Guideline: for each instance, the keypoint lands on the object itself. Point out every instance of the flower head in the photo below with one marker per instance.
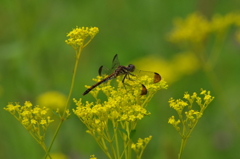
(187, 115)
(140, 145)
(78, 36)
(193, 29)
(33, 118)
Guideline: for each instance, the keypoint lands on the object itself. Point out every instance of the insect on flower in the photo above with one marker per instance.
(126, 72)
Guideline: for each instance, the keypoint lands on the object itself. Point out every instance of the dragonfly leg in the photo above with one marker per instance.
(129, 76)
(124, 78)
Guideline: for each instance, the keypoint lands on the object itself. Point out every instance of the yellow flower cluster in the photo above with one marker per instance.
(119, 114)
(124, 102)
(78, 36)
(191, 116)
(33, 118)
(220, 23)
(196, 28)
(140, 145)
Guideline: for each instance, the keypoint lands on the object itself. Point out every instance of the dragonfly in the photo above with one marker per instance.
(125, 71)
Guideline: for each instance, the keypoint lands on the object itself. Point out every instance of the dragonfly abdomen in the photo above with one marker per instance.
(100, 82)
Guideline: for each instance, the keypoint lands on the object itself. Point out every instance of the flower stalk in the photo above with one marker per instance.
(187, 116)
(77, 39)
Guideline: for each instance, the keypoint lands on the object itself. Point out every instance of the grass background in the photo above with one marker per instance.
(35, 59)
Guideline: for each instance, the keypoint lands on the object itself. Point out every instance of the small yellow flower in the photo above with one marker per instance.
(92, 157)
(178, 104)
(194, 95)
(139, 116)
(25, 113)
(28, 104)
(186, 96)
(11, 108)
(203, 91)
(97, 121)
(67, 113)
(140, 145)
(43, 122)
(207, 97)
(171, 120)
(189, 114)
(43, 112)
(25, 121)
(33, 121)
(49, 120)
(133, 146)
(36, 110)
(147, 139)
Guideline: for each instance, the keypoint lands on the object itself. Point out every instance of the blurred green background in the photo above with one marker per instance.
(34, 59)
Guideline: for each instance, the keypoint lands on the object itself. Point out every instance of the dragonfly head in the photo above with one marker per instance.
(131, 67)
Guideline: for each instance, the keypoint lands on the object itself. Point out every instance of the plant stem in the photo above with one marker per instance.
(183, 143)
(78, 53)
(116, 138)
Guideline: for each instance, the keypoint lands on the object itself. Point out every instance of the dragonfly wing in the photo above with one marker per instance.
(104, 71)
(115, 62)
(156, 77)
(144, 90)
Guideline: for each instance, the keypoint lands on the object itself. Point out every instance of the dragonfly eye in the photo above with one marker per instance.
(131, 67)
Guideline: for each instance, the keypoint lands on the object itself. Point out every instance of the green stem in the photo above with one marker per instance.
(78, 53)
(88, 42)
(73, 80)
(116, 138)
(104, 148)
(183, 143)
(128, 140)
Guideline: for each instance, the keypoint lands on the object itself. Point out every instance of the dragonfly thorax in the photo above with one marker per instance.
(131, 68)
